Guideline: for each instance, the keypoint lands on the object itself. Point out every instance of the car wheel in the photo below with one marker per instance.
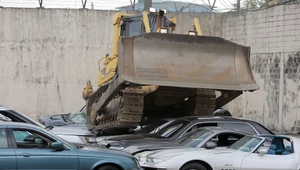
(108, 167)
(193, 166)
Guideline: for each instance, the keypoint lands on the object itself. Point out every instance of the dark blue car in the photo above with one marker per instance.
(25, 146)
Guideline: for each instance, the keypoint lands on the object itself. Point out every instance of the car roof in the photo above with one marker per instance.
(17, 125)
(215, 118)
(217, 129)
(5, 108)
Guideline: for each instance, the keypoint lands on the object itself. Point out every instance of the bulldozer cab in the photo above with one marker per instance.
(138, 24)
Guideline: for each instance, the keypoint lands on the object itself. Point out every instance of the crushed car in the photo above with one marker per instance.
(180, 127)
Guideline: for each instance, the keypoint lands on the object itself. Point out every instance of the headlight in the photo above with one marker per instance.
(192, 33)
(151, 160)
(117, 147)
(141, 156)
(163, 30)
(86, 139)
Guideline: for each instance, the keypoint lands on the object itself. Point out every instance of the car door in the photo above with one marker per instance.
(33, 151)
(275, 156)
(7, 153)
(255, 161)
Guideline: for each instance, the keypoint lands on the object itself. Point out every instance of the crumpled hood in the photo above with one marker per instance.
(73, 129)
(129, 139)
(53, 120)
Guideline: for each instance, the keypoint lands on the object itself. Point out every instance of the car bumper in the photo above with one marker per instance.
(153, 168)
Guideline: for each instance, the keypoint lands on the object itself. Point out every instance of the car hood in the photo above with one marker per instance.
(131, 138)
(180, 151)
(139, 147)
(73, 129)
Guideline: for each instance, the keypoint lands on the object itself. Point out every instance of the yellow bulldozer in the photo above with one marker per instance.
(156, 73)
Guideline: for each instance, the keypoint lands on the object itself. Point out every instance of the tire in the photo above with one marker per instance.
(108, 167)
(193, 166)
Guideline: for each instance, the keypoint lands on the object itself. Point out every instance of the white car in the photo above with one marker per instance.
(263, 152)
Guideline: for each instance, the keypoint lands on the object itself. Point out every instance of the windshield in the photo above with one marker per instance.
(195, 138)
(246, 144)
(4, 118)
(78, 117)
(172, 128)
(151, 127)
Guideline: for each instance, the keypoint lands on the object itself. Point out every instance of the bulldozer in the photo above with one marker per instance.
(155, 73)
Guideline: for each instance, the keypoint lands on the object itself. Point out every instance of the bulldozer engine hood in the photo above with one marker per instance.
(180, 60)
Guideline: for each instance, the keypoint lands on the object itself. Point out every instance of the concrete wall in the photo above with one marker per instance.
(47, 55)
(274, 37)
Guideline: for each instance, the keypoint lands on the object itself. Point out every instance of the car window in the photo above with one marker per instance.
(168, 132)
(171, 129)
(261, 129)
(277, 146)
(194, 138)
(239, 126)
(31, 139)
(226, 139)
(3, 139)
(4, 118)
(11, 114)
(78, 117)
(246, 144)
(152, 126)
(199, 125)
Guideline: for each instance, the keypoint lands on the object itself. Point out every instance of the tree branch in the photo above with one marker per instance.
(41, 3)
(175, 6)
(213, 5)
(132, 2)
(184, 7)
(83, 3)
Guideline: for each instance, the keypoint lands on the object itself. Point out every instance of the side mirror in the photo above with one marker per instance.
(210, 145)
(58, 146)
(262, 151)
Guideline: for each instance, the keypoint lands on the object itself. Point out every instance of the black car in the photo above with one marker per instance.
(183, 125)
(199, 138)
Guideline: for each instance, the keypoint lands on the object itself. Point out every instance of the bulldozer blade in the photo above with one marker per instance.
(189, 61)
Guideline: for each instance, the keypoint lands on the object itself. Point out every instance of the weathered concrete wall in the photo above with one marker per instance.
(47, 55)
(274, 37)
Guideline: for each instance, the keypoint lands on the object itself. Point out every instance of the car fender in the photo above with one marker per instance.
(109, 161)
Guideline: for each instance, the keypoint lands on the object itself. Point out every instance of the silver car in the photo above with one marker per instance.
(78, 134)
